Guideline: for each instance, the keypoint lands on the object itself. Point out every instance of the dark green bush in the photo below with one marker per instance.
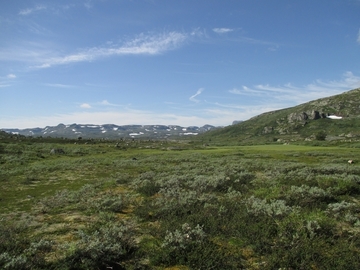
(17, 251)
(148, 188)
(190, 246)
(320, 136)
(107, 245)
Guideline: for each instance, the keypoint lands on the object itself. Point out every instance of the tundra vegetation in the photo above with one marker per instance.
(177, 205)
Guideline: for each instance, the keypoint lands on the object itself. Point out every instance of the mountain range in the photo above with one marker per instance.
(110, 131)
(334, 118)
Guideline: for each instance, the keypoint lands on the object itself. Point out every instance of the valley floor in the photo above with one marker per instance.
(178, 205)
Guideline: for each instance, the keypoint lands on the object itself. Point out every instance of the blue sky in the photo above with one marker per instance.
(180, 62)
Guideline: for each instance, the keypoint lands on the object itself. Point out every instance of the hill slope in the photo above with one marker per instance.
(303, 122)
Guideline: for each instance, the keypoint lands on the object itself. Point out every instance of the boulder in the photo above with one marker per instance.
(295, 117)
(57, 151)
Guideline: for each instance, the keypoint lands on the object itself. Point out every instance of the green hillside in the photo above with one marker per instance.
(303, 123)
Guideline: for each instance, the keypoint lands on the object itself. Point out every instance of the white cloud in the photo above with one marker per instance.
(85, 106)
(290, 95)
(193, 98)
(88, 5)
(142, 44)
(59, 85)
(31, 10)
(222, 30)
(217, 114)
(107, 103)
(6, 81)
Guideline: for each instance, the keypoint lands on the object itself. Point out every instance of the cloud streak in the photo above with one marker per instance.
(296, 95)
(144, 44)
(222, 30)
(59, 85)
(29, 11)
(7, 80)
(85, 106)
(193, 97)
(215, 113)
(107, 103)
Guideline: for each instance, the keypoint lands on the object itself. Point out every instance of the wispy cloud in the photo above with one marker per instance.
(85, 106)
(295, 94)
(28, 11)
(222, 30)
(88, 4)
(107, 103)
(7, 80)
(193, 97)
(216, 113)
(145, 44)
(59, 85)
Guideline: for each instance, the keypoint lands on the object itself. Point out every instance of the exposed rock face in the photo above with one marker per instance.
(304, 116)
(267, 130)
(295, 117)
(315, 115)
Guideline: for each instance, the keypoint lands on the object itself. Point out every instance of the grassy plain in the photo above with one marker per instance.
(178, 205)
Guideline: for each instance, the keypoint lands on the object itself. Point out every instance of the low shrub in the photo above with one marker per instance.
(306, 196)
(273, 208)
(190, 246)
(107, 245)
(31, 257)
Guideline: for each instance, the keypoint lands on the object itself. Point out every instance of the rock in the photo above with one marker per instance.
(315, 115)
(267, 130)
(55, 151)
(294, 117)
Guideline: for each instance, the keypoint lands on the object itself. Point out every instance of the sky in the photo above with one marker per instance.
(171, 62)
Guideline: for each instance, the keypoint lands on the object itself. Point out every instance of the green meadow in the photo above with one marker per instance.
(148, 204)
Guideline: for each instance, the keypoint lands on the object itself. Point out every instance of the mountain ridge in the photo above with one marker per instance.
(337, 117)
(111, 131)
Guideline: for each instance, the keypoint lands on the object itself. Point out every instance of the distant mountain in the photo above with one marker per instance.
(111, 131)
(336, 117)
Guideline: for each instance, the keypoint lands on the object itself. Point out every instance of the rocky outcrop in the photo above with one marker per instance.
(267, 130)
(296, 117)
(304, 116)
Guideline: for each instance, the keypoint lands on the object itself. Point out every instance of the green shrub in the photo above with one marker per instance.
(148, 188)
(273, 208)
(32, 257)
(190, 246)
(320, 136)
(109, 245)
(306, 196)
